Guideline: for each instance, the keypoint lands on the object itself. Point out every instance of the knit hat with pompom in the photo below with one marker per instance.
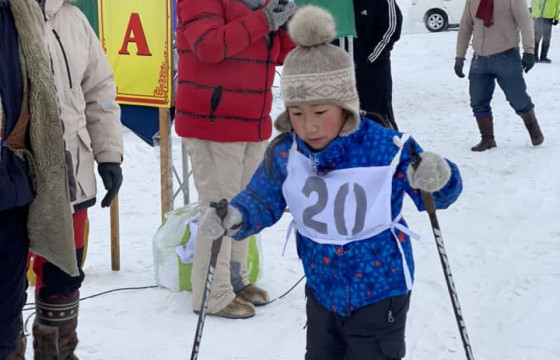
(317, 72)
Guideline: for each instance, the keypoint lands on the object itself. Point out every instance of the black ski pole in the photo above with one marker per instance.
(431, 209)
(221, 210)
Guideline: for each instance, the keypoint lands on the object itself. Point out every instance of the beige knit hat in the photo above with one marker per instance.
(316, 72)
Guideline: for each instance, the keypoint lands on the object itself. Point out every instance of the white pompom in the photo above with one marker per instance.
(311, 26)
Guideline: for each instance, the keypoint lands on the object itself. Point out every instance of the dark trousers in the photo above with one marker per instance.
(375, 87)
(53, 282)
(14, 245)
(375, 332)
(543, 30)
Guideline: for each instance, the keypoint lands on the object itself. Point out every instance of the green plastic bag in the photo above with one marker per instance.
(173, 248)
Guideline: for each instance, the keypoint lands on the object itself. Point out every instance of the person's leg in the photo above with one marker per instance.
(509, 75)
(481, 86)
(325, 340)
(510, 78)
(377, 332)
(547, 34)
(217, 173)
(373, 82)
(481, 89)
(538, 25)
(14, 245)
(254, 153)
(57, 301)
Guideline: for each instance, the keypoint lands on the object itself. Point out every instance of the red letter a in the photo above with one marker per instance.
(135, 34)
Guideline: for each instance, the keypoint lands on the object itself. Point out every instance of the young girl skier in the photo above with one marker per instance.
(343, 179)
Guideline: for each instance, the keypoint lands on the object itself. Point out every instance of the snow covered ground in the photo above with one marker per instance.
(502, 238)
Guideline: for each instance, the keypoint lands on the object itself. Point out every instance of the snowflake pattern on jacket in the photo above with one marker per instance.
(350, 277)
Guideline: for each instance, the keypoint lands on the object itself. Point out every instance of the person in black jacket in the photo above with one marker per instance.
(378, 27)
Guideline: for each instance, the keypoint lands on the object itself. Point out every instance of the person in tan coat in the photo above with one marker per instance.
(86, 94)
(494, 26)
(35, 211)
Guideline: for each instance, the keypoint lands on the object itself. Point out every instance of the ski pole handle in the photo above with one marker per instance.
(415, 162)
(221, 207)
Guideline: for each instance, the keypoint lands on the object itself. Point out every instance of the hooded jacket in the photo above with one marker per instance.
(86, 94)
(227, 61)
(49, 221)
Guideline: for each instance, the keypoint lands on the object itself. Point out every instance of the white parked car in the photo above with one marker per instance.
(437, 15)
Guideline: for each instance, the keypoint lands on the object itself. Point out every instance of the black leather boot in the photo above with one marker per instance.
(544, 54)
(486, 127)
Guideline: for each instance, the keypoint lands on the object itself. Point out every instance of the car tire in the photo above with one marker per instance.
(436, 20)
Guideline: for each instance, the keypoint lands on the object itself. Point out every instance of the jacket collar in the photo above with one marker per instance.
(52, 7)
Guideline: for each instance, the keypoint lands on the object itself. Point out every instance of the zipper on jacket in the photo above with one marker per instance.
(390, 317)
(65, 57)
(314, 164)
(214, 102)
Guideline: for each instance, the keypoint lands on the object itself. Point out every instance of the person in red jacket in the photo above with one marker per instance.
(228, 53)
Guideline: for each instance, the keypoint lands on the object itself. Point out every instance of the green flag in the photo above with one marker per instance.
(343, 12)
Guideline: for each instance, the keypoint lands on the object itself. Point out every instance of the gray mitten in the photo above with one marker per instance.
(277, 15)
(432, 173)
(213, 227)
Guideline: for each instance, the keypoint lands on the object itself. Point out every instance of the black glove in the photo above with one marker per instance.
(527, 62)
(459, 63)
(111, 174)
(554, 22)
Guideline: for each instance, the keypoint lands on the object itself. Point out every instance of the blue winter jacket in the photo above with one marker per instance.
(350, 277)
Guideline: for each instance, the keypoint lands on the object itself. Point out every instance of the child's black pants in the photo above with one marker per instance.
(366, 335)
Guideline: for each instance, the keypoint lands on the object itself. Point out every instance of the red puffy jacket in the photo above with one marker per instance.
(227, 60)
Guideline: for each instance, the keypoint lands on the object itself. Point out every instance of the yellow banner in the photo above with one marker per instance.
(136, 36)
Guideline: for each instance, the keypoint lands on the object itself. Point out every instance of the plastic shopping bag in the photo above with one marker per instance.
(173, 247)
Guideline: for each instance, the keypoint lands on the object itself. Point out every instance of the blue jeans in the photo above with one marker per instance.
(505, 68)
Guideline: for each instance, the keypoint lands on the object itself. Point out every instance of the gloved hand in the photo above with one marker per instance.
(554, 22)
(459, 63)
(527, 62)
(111, 174)
(212, 226)
(277, 15)
(432, 173)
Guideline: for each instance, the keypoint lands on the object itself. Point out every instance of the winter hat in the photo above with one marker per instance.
(316, 72)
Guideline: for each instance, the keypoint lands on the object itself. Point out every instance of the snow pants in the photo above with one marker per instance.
(543, 30)
(220, 171)
(51, 282)
(14, 245)
(375, 332)
(375, 87)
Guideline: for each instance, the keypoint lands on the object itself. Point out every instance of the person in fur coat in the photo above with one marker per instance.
(35, 211)
(86, 94)
(344, 179)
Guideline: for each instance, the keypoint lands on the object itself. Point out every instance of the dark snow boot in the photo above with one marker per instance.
(19, 351)
(533, 127)
(54, 329)
(537, 59)
(486, 127)
(544, 54)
